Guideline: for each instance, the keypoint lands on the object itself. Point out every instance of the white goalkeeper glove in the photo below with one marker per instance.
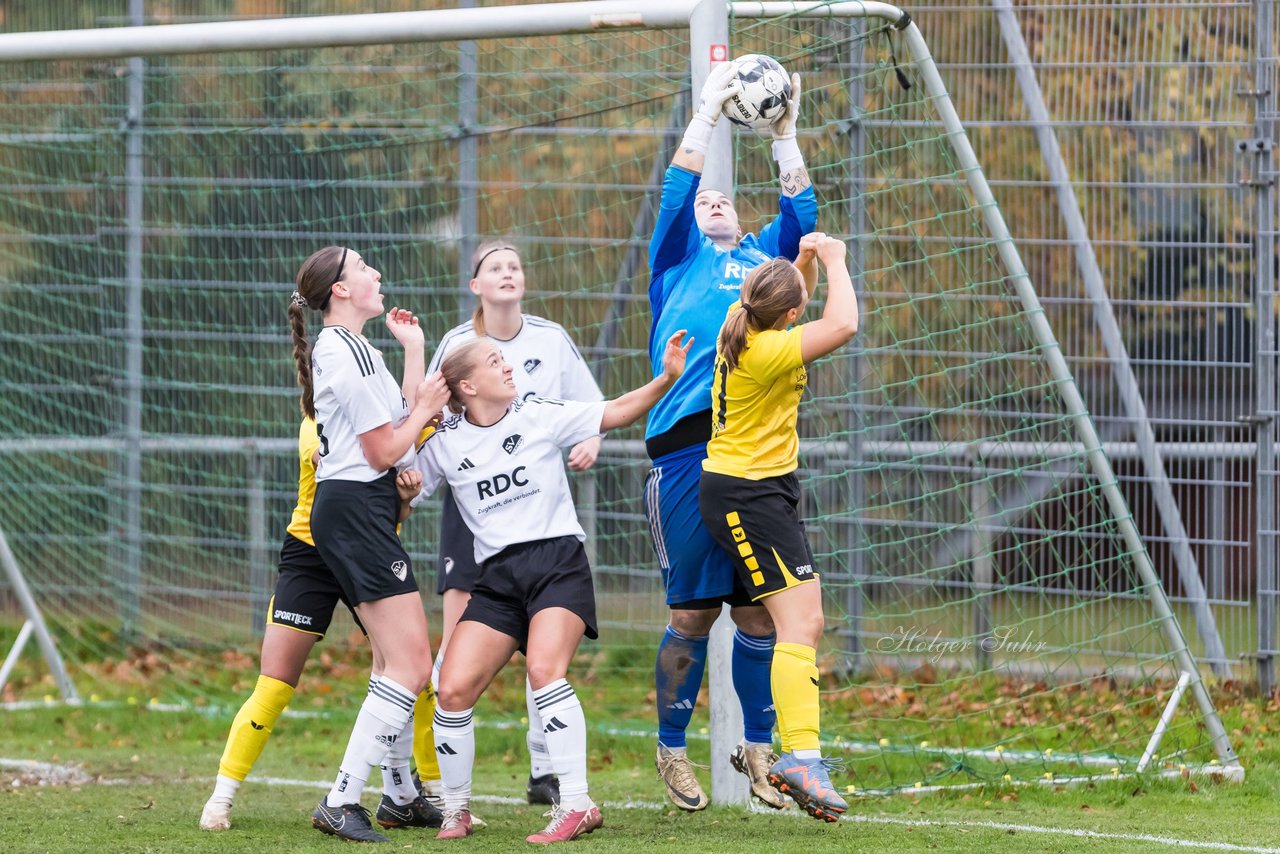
(785, 149)
(721, 85)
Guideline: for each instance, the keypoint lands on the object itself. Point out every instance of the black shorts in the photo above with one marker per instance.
(526, 578)
(354, 525)
(306, 591)
(457, 568)
(757, 523)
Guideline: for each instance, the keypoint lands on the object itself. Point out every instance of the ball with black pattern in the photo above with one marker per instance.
(766, 91)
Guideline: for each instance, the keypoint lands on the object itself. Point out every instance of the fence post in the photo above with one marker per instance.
(852, 540)
(130, 564)
(1261, 165)
(259, 556)
(983, 561)
(468, 173)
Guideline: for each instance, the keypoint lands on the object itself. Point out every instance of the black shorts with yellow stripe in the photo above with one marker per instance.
(306, 592)
(757, 522)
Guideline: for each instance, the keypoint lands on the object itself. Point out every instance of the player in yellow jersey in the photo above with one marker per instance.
(749, 493)
(301, 608)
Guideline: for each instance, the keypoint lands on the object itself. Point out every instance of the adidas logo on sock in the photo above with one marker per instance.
(256, 725)
(555, 725)
(446, 750)
(682, 704)
(388, 740)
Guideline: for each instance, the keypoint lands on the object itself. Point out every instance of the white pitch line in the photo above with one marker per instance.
(1063, 831)
(864, 819)
(71, 773)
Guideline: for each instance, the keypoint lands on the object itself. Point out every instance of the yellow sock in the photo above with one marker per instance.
(794, 679)
(424, 744)
(252, 727)
(779, 711)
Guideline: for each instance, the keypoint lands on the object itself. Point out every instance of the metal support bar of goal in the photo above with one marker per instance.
(34, 625)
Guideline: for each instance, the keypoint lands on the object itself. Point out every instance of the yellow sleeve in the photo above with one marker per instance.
(427, 433)
(308, 440)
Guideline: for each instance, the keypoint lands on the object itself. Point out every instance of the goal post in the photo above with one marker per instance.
(983, 574)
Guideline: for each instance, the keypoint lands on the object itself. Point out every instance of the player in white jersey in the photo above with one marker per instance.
(368, 425)
(544, 363)
(501, 457)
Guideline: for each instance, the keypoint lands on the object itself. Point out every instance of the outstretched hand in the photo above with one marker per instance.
(404, 327)
(673, 358)
(722, 84)
(784, 126)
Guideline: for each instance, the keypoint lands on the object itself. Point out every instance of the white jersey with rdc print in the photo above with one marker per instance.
(508, 479)
(354, 393)
(544, 361)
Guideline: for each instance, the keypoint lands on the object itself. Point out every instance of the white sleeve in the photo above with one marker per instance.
(568, 421)
(576, 382)
(425, 461)
(361, 394)
(454, 336)
(439, 356)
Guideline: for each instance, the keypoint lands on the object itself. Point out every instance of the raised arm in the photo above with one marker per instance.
(797, 206)
(403, 325)
(807, 261)
(631, 406)
(839, 321)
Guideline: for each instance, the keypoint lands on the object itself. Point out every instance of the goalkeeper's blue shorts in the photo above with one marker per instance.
(698, 574)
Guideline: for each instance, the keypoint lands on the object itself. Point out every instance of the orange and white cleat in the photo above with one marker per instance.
(809, 785)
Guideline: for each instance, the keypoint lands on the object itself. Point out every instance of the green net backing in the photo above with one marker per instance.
(984, 616)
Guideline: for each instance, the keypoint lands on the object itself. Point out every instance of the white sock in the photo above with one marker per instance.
(383, 715)
(397, 782)
(435, 672)
(224, 788)
(565, 729)
(455, 735)
(539, 759)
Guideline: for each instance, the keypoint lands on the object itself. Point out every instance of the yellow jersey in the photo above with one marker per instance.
(754, 407)
(308, 444)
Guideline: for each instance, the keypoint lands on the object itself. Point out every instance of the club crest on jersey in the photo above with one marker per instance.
(512, 443)
(400, 569)
(531, 365)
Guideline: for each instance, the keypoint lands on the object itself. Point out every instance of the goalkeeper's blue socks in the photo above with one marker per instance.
(678, 678)
(752, 663)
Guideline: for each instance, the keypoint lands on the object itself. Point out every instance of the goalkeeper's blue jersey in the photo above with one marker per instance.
(694, 282)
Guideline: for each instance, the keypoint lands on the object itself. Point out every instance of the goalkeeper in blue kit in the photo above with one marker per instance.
(699, 257)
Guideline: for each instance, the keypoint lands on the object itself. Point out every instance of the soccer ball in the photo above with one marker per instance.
(766, 90)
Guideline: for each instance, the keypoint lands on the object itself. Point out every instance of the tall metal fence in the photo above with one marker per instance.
(1132, 149)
